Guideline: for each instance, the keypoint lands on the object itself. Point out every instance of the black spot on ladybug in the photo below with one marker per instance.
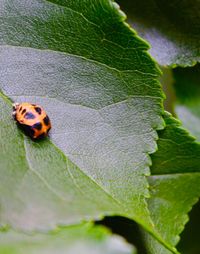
(28, 130)
(38, 110)
(29, 115)
(33, 105)
(46, 120)
(20, 109)
(37, 126)
(41, 136)
(23, 111)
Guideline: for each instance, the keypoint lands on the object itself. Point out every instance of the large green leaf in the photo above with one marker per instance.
(171, 27)
(83, 238)
(187, 88)
(93, 76)
(175, 184)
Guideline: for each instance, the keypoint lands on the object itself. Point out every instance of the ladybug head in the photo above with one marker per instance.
(15, 106)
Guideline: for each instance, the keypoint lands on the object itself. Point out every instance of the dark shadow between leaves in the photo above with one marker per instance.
(189, 242)
(127, 229)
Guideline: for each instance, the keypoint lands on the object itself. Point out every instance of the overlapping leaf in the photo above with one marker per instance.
(93, 76)
(175, 184)
(171, 27)
(83, 238)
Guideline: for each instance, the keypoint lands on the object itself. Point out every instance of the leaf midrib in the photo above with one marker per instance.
(129, 97)
(119, 71)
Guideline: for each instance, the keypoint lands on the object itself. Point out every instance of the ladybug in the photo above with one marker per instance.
(32, 119)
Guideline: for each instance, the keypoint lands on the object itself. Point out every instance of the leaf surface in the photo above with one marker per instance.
(83, 238)
(82, 63)
(171, 28)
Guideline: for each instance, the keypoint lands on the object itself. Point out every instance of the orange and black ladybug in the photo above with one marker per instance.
(32, 119)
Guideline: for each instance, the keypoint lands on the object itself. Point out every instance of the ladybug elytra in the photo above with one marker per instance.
(32, 119)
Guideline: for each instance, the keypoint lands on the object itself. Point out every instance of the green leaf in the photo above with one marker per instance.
(83, 238)
(177, 151)
(175, 184)
(187, 90)
(172, 197)
(171, 28)
(83, 64)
